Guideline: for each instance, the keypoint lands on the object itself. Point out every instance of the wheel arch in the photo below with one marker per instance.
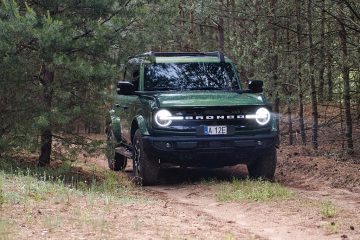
(114, 124)
(139, 123)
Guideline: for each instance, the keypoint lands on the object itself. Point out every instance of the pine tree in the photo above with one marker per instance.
(58, 58)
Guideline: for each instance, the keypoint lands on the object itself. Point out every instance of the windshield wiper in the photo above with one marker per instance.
(222, 89)
(207, 88)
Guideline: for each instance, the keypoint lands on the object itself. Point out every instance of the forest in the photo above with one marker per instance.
(58, 59)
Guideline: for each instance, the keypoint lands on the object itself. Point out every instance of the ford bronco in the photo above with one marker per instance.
(189, 110)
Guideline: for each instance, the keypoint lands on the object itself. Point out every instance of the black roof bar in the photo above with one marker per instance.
(218, 54)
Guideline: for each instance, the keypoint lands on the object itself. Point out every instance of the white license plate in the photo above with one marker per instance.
(215, 130)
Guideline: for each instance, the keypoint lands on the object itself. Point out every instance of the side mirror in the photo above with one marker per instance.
(256, 86)
(125, 88)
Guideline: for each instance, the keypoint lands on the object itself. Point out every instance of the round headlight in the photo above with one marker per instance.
(163, 118)
(262, 116)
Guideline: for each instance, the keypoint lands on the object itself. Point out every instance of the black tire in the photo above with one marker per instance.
(116, 161)
(146, 168)
(264, 165)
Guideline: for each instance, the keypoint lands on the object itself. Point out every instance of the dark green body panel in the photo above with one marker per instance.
(136, 111)
(208, 99)
(209, 121)
(127, 111)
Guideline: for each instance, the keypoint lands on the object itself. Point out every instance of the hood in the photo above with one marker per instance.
(207, 99)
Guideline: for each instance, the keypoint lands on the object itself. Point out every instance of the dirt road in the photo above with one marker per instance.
(325, 204)
(297, 218)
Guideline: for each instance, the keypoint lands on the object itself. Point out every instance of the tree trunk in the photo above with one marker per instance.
(274, 61)
(312, 78)
(299, 75)
(288, 91)
(290, 128)
(221, 33)
(357, 97)
(342, 133)
(45, 151)
(181, 26)
(322, 53)
(46, 134)
(347, 98)
(330, 79)
(192, 41)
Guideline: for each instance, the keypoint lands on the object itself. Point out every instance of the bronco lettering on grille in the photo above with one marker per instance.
(219, 117)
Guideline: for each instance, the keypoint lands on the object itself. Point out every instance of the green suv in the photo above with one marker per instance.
(189, 110)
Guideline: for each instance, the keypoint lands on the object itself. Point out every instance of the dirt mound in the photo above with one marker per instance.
(296, 167)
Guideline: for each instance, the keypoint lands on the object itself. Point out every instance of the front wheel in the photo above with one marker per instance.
(146, 168)
(264, 165)
(116, 161)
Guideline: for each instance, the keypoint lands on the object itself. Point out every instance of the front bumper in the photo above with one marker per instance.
(209, 151)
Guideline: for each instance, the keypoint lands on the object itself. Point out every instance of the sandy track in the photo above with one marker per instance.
(297, 218)
(183, 206)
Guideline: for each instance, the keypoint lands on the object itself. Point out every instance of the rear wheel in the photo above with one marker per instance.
(116, 161)
(146, 168)
(264, 165)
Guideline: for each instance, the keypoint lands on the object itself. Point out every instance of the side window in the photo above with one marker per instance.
(127, 73)
(136, 77)
(132, 74)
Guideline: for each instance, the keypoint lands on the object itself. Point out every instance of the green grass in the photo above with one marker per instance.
(5, 230)
(251, 190)
(229, 236)
(328, 209)
(2, 197)
(332, 227)
(83, 198)
(39, 191)
(23, 183)
(23, 187)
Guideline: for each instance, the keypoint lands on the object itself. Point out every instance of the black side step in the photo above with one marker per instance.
(125, 151)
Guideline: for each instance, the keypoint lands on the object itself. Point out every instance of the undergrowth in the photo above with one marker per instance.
(2, 198)
(252, 190)
(332, 227)
(5, 233)
(83, 194)
(328, 209)
(19, 184)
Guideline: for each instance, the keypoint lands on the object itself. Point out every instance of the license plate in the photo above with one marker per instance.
(215, 130)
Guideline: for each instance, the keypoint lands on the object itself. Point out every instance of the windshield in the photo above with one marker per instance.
(190, 76)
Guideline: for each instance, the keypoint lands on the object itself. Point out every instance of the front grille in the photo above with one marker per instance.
(230, 116)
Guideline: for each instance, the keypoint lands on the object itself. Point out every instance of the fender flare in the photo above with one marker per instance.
(139, 122)
(114, 125)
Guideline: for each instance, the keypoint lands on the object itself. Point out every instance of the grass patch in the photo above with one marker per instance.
(328, 209)
(23, 187)
(5, 230)
(52, 222)
(252, 190)
(47, 200)
(229, 236)
(39, 193)
(2, 197)
(23, 183)
(332, 227)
